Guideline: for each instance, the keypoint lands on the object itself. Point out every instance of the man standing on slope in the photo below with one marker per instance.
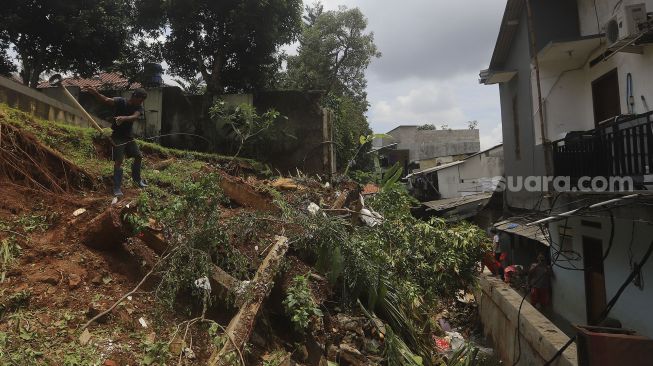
(127, 111)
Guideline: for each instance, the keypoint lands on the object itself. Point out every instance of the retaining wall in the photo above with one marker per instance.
(540, 339)
(40, 105)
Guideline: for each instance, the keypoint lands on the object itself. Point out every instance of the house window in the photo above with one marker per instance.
(605, 97)
(515, 125)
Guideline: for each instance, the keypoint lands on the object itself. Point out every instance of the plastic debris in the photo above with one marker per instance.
(370, 218)
(79, 211)
(203, 283)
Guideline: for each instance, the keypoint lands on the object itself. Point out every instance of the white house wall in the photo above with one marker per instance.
(605, 10)
(449, 182)
(567, 92)
(477, 173)
(568, 286)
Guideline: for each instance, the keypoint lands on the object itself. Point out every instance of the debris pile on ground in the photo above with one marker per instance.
(215, 263)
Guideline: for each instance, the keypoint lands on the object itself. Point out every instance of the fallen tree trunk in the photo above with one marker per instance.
(241, 325)
(106, 231)
(245, 195)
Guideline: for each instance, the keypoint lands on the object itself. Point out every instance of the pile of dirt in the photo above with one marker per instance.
(26, 161)
(79, 285)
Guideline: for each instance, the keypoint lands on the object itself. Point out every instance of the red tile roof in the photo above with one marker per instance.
(104, 80)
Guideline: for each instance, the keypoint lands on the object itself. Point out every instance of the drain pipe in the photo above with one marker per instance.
(543, 127)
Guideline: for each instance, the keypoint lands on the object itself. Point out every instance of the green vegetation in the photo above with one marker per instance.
(299, 304)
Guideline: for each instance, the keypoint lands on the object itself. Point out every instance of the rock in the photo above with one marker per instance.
(79, 211)
(302, 352)
(85, 337)
(370, 346)
(352, 356)
(51, 277)
(97, 279)
(332, 353)
(74, 280)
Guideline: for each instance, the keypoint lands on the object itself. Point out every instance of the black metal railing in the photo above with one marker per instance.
(621, 148)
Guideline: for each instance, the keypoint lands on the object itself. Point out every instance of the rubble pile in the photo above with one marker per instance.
(215, 263)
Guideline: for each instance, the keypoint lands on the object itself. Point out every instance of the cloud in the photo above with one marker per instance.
(430, 39)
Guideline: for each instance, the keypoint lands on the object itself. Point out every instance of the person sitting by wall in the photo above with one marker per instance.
(539, 280)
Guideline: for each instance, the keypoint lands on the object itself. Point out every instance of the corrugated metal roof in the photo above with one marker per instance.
(517, 226)
(435, 168)
(447, 203)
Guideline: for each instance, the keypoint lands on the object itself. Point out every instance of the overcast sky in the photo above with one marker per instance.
(432, 53)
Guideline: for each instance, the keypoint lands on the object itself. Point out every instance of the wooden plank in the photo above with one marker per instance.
(241, 325)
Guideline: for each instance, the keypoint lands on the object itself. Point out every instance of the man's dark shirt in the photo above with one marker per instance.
(124, 130)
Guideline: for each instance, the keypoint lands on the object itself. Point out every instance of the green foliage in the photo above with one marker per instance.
(31, 222)
(232, 44)
(426, 127)
(363, 141)
(156, 353)
(192, 86)
(334, 51)
(276, 358)
(9, 251)
(299, 304)
(75, 35)
(14, 302)
(245, 125)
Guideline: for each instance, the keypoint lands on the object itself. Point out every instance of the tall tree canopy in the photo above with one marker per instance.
(334, 51)
(6, 66)
(232, 44)
(65, 35)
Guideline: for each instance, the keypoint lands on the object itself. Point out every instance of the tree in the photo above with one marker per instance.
(427, 126)
(6, 66)
(193, 86)
(65, 35)
(334, 52)
(232, 44)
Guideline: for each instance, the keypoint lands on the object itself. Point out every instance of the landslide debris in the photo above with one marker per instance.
(217, 262)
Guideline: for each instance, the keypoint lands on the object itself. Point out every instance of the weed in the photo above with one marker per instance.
(14, 302)
(276, 358)
(299, 304)
(31, 223)
(156, 353)
(9, 251)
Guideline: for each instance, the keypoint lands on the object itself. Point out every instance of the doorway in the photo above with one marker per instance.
(595, 297)
(605, 97)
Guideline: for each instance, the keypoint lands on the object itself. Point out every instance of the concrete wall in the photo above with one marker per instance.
(478, 172)
(633, 308)
(540, 339)
(605, 10)
(521, 156)
(449, 181)
(40, 105)
(429, 144)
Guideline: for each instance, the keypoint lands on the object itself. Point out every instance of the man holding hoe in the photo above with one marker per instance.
(127, 111)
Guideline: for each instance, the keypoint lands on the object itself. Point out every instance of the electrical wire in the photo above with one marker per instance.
(610, 304)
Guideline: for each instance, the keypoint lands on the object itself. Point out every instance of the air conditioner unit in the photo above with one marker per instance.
(625, 24)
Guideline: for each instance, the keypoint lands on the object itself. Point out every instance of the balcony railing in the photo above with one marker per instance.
(621, 148)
